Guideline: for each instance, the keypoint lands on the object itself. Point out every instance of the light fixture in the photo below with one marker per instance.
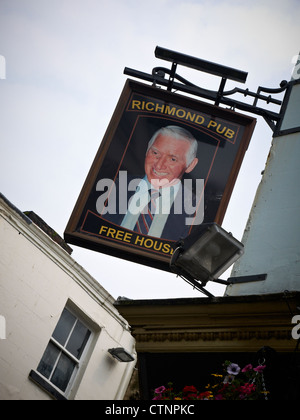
(121, 355)
(205, 255)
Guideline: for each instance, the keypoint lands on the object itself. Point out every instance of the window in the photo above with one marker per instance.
(63, 356)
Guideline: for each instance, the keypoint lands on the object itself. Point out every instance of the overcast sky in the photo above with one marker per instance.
(64, 75)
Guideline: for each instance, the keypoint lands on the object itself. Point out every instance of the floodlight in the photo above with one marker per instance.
(121, 355)
(205, 255)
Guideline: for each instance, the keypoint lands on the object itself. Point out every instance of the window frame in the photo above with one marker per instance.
(45, 382)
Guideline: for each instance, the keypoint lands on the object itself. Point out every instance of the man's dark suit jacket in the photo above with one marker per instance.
(175, 227)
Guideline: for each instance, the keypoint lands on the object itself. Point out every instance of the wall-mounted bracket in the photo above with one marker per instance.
(158, 77)
(232, 280)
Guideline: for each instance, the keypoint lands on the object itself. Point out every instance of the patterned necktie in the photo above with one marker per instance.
(145, 219)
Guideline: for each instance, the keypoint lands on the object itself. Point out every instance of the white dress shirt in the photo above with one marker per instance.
(142, 197)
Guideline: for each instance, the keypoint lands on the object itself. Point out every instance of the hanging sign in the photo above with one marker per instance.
(167, 164)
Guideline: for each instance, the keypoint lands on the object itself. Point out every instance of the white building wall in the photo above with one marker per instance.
(37, 279)
(272, 234)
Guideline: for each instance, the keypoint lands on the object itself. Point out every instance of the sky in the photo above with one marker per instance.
(61, 75)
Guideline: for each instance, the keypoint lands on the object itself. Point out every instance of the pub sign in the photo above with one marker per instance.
(167, 164)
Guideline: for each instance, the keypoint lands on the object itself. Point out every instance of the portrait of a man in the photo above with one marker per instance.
(159, 204)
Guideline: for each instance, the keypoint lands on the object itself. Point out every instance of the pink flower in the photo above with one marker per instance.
(259, 369)
(160, 390)
(247, 368)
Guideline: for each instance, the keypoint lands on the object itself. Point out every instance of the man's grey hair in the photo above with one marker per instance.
(178, 133)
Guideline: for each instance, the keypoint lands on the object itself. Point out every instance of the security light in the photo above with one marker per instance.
(121, 355)
(205, 255)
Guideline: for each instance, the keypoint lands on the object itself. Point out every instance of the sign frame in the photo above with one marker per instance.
(146, 104)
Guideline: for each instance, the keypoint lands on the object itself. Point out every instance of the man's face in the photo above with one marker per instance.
(165, 161)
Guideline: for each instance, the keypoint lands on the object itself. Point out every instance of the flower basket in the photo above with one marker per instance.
(234, 383)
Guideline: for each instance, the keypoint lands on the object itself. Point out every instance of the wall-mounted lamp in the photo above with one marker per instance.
(205, 255)
(121, 355)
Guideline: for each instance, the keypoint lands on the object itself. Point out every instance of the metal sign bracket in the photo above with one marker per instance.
(158, 77)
